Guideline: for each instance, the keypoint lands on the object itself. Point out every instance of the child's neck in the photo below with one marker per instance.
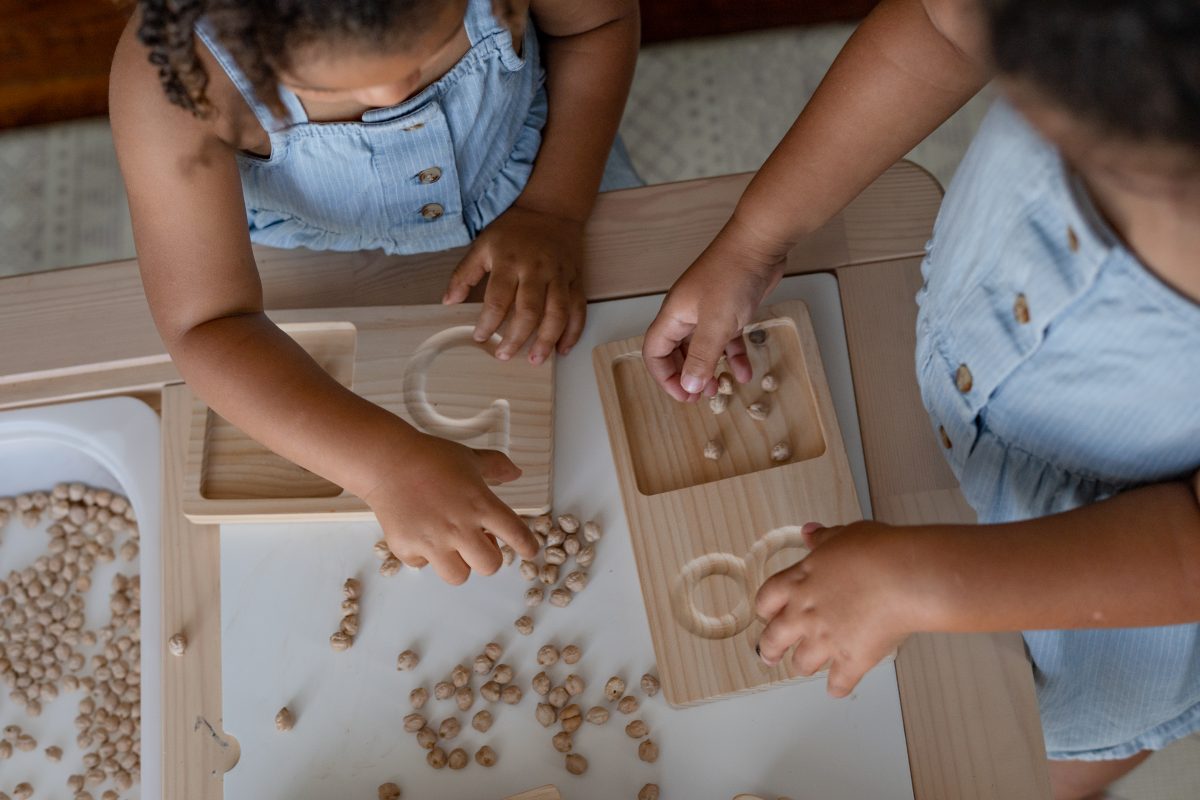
(1162, 228)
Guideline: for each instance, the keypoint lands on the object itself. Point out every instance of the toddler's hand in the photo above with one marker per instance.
(846, 605)
(437, 509)
(703, 316)
(533, 259)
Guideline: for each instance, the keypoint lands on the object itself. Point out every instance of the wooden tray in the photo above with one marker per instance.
(706, 534)
(420, 363)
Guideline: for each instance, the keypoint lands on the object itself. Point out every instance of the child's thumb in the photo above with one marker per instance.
(703, 353)
(496, 468)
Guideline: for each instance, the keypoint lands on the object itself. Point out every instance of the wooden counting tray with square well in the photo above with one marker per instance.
(707, 533)
(420, 363)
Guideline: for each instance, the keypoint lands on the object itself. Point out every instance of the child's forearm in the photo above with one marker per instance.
(588, 73)
(899, 76)
(258, 378)
(1130, 561)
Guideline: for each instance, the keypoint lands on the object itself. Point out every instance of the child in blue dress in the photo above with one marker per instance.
(1058, 355)
(401, 125)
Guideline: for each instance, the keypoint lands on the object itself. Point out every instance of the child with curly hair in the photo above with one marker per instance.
(401, 125)
(1058, 355)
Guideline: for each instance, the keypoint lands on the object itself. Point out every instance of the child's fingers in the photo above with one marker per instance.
(844, 675)
(554, 321)
(466, 276)
(496, 468)
(735, 354)
(783, 631)
(530, 303)
(481, 554)
(776, 591)
(576, 317)
(450, 567)
(662, 342)
(503, 523)
(704, 350)
(497, 299)
(809, 658)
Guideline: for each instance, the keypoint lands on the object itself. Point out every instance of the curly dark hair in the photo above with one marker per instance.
(261, 35)
(1129, 67)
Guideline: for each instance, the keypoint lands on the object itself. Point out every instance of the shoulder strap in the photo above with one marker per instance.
(270, 122)
(480, 22)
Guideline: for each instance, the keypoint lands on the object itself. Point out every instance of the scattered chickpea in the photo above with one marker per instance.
(571, 718)
(511, 694)
(713, 450)
(486, 757)
(457, 758)
(524, 625)
(528, 570)
(586, 556)
(177, 644)
(381, 550)
(427, 737)
(443, 690)
(436, 758)
(758, 410)
(23, 791)
(407, 660)
(555, 537)
(576, 764)
(464, 697)
(502, 674)
(561, 742)
(648, 792)
(614, 688)
(649, 685)
(561, 597)
(534, 596)
(592, 531)
(576, 581)
(636, 729)
(548, 574)
(340, 640)
(541, 683)
(352, 588)
(571, 654)
(597, 715)
(547, 655)
(574, 685)
(558, 697)
(389, 791)
(284, 719)
(769, 383)
(648, 751)
(569, 523)
(490, 691)
(725, 383)
(460, 676)
(493, 651)
(482, 721)
(449, 728)
(628, 704)
(418, 697)
(546, 714)
(483, 665)
(54, 753)
(391, 566)
(507, 554)
(718, 403)
(782, 451)
(349, 625)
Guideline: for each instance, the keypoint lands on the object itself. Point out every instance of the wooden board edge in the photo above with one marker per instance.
(197, 752)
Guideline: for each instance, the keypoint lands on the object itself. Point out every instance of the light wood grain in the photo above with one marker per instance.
(970, 714)
(197, 752)
(418, 362)
(540, 793)
(706, 535)
(87, 331)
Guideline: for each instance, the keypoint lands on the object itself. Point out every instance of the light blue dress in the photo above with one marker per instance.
(427, 174)
(1057, 371)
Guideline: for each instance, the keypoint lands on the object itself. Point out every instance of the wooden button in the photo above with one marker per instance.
(432, 211)
(1021, 309)
(431, 175)
(946, 443)
(963, 379)
(1072, 240)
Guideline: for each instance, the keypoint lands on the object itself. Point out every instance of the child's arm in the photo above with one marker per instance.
(1130, 561)
(535, 249)
(199, 275)
(907, 67)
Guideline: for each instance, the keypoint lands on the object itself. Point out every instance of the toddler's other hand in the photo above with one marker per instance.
(534, 261)
(846, 605)
(704, 313)
(436, 508)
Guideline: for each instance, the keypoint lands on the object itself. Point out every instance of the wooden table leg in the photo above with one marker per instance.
(970, 714)
(196, 751)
